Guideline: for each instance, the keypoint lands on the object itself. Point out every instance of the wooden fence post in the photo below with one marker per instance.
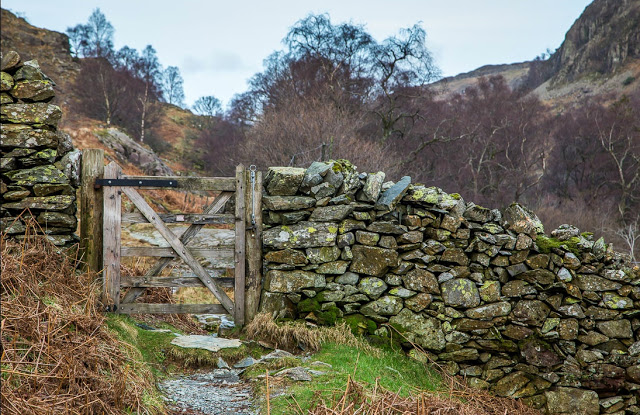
(111, 239)
(91, 209)
(239, 288)
(253, 283)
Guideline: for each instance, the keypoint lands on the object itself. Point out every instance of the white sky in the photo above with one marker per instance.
(219, 45)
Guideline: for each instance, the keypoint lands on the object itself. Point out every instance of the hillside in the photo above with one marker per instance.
(600, 55)
(51, 50)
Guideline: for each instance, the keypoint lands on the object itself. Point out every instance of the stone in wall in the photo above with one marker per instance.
(551, 320)
(39, 166)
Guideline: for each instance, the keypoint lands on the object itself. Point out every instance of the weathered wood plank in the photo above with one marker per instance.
(195, 218)
(253, 283)
(222, 258)
(216, 206)
(238, 292)
(223, 184)
(148, 282)
(111, 239)
(180, 249)
(143, 308)
(91, 209)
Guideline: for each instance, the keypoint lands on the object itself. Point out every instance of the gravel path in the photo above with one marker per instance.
(220, 392)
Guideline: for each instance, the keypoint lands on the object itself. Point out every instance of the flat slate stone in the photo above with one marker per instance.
(301, 235)
(210, 343)
(38, 113)
(333, 213)
(288, 202)
(392, 195)
(23, 136)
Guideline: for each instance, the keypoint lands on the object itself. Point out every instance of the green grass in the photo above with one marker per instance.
(392, 370)
(162, 357)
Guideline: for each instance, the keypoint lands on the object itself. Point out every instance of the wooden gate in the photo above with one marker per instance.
(101, 228)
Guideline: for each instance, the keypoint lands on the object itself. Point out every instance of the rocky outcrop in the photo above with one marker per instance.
(40, 168)
(128, 150)
(606, 35)
(552, 320)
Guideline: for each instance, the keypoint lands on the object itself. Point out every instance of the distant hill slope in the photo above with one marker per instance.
(514, 73)
(599, 55)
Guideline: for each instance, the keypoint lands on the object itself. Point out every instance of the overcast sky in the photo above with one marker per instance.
(219, 45)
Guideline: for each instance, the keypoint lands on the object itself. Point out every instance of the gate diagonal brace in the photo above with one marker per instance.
(135, 183)
(179, 248)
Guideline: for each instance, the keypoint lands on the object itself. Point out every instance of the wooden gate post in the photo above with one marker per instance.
(253, 283)
(91, 209)
(111, 239)
(239, 288)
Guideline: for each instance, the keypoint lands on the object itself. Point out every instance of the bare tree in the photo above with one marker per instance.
(93, 39)
(77, 39)
(630, 234)
(172, 86)
(208, 106)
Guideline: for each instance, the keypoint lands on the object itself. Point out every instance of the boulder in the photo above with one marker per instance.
(388, 305)
(421, 329)
(421, 280)
(286, 256)
(372, 260)
(23, 136)
(284, 181)
(40, 90)
(617, 329)
(288, 202)
(432, 196)
(532, 312)
(460, 292)
(313, 176)
(292, 281)
(371, 286)
(40, 174)
(334, 213)
(59, 202)
(300, 235)
(6, 81)
(37, 113)
(571, 401)
(489, 311)
(522, 220)
(390, 197)
(372, 187)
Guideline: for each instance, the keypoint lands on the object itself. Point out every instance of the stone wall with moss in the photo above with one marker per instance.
(39, 166)
(552, 320)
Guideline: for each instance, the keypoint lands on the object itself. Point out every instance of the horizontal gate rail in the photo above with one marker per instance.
(141, 308)
(195, 218)
(150, 282)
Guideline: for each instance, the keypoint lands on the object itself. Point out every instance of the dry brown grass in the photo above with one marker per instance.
(57, 355)
(295, 335)
(458, 400)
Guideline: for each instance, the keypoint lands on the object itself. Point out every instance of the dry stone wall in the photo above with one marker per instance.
(552, 320)
(39, 166)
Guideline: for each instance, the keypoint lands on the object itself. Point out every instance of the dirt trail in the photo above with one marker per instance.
(218, 392)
